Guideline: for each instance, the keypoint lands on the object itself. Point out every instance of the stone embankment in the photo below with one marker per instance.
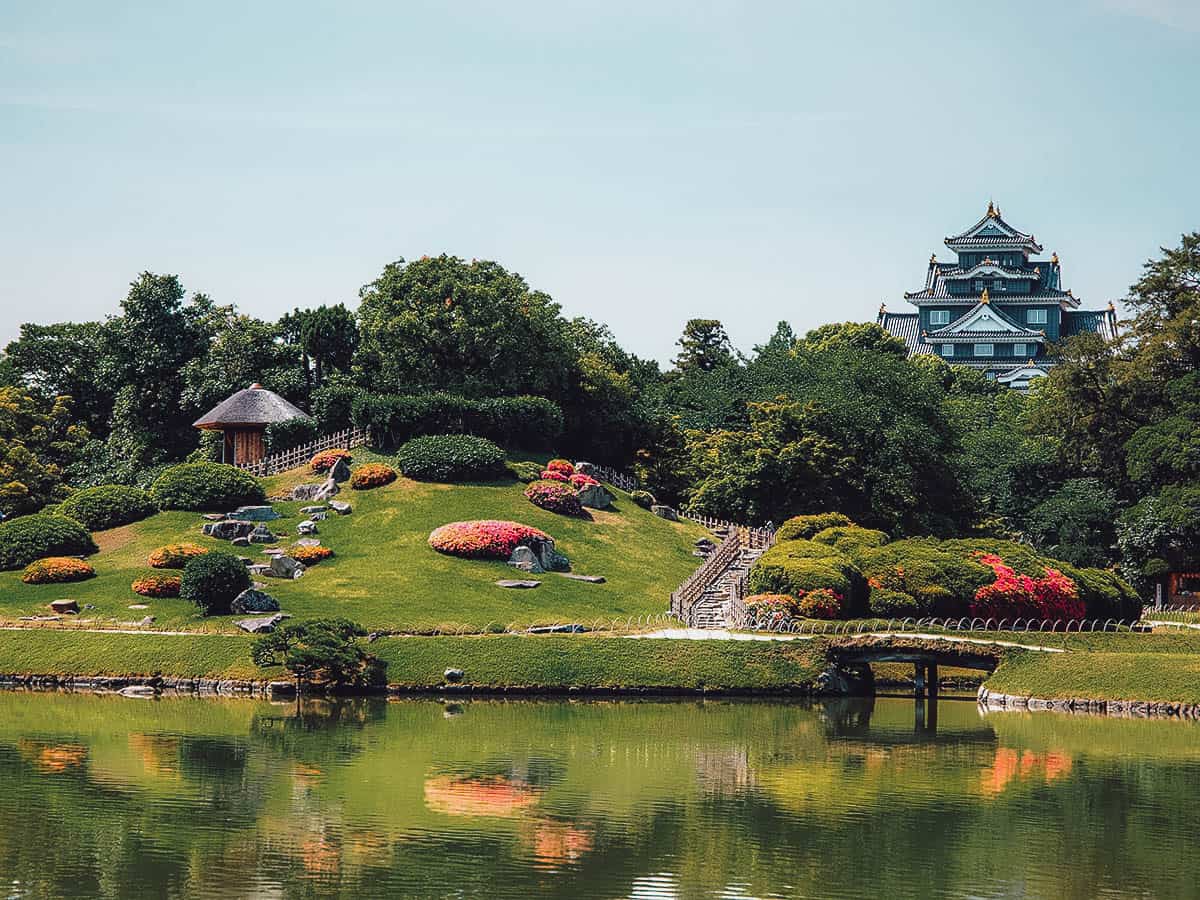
(1125, 709)
(163, 686)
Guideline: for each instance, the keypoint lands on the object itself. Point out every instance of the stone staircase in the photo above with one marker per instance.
(710, 610)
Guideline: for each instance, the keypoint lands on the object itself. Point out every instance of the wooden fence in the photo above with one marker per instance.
(710, 570)
(347, 439)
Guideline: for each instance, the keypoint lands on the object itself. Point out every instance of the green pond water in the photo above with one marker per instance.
(102, 796)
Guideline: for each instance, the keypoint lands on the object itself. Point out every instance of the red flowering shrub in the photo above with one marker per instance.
(559, 498)
(1013, 596)
(57, 570)
(310, 556)
(580, 481)
(175, 556)
(560, 465)
(821, 603)
(483, 539)
(157, 584)
(371, 475)
(327, 459)
(551, 475)
(771, 607)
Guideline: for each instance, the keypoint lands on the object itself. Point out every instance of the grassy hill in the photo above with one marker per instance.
(384, 574)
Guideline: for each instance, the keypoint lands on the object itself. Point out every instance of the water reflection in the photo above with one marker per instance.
(104, 797)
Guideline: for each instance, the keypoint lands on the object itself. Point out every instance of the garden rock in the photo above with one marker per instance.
(453, 675)
(309, 510)
(262, 535)
(308, 526)
(314, 491)
(339, 507)
(255, 514)
(253, 601)
(548, 558)
(286, 567)
(258, 569)
(526, 560)
(228, 529)
(594, 496)
(215, 517)
(307, 542)
(318, 516)
(241, 542)
(557, 629)
(264, 625)
(513, 583)
(64, 606)
(138, 692)
(590, 579)
(665, 512)
(587, 468)
(340, 471)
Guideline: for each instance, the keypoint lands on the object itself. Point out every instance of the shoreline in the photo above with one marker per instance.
(1123, 709)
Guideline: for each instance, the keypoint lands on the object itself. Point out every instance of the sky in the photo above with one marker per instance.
(642, 162)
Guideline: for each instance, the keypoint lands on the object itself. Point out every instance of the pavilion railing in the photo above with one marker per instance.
(347, 439)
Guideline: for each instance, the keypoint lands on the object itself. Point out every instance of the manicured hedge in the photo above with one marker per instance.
(57, 570)
(281, 436)
(555, 496)
(851, 539)
(205, 486)
(175, 556)
(327, 459)
(529, 422)
(804, 527)
(26, 538)
(108, 506)
(527, 472)
(213, 580)
(451, 457)
(310, 556)
(371, 475)
(483, 538)
(798, 567)
(157, 584)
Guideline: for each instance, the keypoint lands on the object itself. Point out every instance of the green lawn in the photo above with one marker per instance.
(1152, 676)
(385, 576)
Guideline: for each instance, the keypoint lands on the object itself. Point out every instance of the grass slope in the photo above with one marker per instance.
(385, 575)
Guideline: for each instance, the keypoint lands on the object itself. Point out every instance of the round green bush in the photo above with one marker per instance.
(213, 580)
(205, 486)
(527, 472)
(27, 538)
(644, 499)
(888, 604)
(851, 539)
(804, 527)
(797, 567)
(451, 457)
(107, 506)
(942, 579)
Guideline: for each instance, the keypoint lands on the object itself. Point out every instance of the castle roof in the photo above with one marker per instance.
(254, 406)
(984, 321)
(993, 231)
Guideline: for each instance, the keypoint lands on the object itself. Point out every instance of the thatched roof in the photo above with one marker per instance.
(253, 406)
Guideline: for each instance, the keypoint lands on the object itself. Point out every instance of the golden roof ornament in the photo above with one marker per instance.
(991, 213)
(1112, 307)
(932, 258)
(1054, 258)
(882, 308)
(983, 298)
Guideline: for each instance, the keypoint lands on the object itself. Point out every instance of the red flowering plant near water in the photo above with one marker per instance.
(483, 538)
(1012, 596)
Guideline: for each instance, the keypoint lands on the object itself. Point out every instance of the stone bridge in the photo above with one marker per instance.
(850, 660)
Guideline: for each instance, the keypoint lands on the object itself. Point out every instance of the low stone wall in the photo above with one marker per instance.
(1125, 709)
(159, 685)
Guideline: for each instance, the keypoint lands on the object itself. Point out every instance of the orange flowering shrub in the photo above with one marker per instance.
(309, 555)
(327, 459)
(157, 584)
(175, 556)
(561, 465)
(372, 475)
(57, 570)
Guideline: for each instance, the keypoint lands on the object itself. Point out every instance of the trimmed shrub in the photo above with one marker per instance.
(804, 527)
(326, 459)
(551, 475)
(205, 486)
(371, 475)
(529, 422)
(1105, 594)
(107, 506)
(943, 581)
(483, 538)
(579, 481)
(564, 466)
(451, 457)
(57, 570)
(527, 472)
(888, 604)
(26, 538)
(1052, 596)
(851, 539)
(213, 580)
(175, 556)
(644, 499)
(771, 608)
(281, 436)
(310, 556)
(556, 497)
(821, 603)
(157, 584)
(798, 567)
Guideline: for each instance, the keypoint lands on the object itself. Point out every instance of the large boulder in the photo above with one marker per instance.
(339, 507)
(526, 560)
(253, 600)
(308, 526)
(264, 625)
(255, 513)
(228, 529)
(595, 496)
(340, 471)
(286, 567)
(262, 535)
(548, 558)
(587, 468)
(315, 491)
(665, 512)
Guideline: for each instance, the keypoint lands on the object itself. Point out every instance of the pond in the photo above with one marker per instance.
(102, 796)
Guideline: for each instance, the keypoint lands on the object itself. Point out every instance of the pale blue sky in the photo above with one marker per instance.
(644, 162)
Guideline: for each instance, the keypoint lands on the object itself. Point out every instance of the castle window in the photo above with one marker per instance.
(984, 350)
(998, 284)
(947, 349)
(1036, 317)
(978, 285)
(1019, 349)
(939, 317)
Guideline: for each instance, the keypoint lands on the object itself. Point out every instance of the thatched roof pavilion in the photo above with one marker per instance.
(243, 418)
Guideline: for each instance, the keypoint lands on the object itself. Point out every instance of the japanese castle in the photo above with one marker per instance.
(995, 308)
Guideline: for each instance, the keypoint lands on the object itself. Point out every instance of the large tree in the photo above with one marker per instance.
(37, 438)
(64, 359)
(704, 346)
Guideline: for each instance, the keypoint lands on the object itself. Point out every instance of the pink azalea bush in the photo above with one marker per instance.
(552, 475)
(556, 497)
(560, 465)
(579, 481)
(1013, 596)
(483, 538)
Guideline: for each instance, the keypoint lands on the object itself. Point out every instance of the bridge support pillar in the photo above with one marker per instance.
(919, 680)
(932, 679)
